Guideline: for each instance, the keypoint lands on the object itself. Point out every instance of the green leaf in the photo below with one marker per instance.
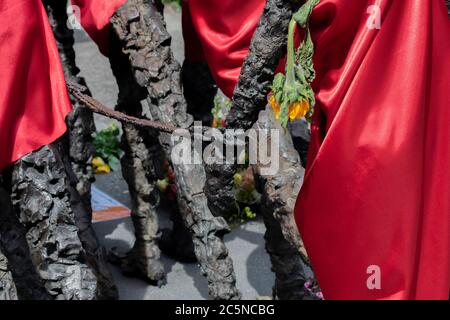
(114, 163)
(278, 83)
(107, 145)
(303, 14)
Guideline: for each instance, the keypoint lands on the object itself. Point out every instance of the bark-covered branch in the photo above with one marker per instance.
(13, 245)
(41, 200)
(250, 95)
(267, 47)
(141, 168)
(7, 287)
(141, 30)
(279, 193)
(78, 153)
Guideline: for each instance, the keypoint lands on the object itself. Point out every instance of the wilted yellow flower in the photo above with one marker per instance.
(275, 106)
(299, 109)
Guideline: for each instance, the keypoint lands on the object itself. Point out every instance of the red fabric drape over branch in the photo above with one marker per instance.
(220, 31)
(95, 15)
(33, 96)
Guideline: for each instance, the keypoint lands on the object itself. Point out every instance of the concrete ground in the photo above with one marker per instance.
(184, 281)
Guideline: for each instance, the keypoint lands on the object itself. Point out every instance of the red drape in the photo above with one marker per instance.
(376, 195)
(377, 188)
(33, 96)
(95, 15)
(224, 29)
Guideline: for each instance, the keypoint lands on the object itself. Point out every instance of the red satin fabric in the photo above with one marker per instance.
(95, 15)
(224, 29)
(33, 95)
(377, 188)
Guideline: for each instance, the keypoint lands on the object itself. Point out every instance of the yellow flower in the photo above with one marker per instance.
(275, 106)
(103, 169)
(98, 161)
(100, 166)
(299, 109)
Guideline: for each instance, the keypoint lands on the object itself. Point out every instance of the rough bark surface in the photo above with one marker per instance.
(7, 287)
(41, 198)
(141, 29)
(250, 95)
(78, 155)
(13, 245)
(141, 168)
(279, 192)
(219, 189)
(200, 89)
(283, 242)
(80, 121)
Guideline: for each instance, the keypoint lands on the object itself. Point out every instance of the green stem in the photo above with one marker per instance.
(290, 76)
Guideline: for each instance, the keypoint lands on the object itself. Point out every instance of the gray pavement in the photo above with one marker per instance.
(184, 281)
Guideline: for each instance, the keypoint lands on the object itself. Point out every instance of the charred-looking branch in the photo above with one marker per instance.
(250, 95)
(141, 168)
(16, 257)
(80, 121)
(279, 192)
(141, 30)
(42, 201)
(79, 152)
(200, 89)
(7, 287)
(266, 49)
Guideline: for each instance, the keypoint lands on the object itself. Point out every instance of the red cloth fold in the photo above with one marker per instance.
(33, 95)
(95, 15)
(377, 189)
(225, 29)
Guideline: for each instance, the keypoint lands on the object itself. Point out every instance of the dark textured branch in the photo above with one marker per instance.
(267, 46)
(250, 95)
(279, 193)
(283, 242)
(41, 199)
(141, 168)
(7, 287)
(141, 29)
(14, 246)
(78, 153)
